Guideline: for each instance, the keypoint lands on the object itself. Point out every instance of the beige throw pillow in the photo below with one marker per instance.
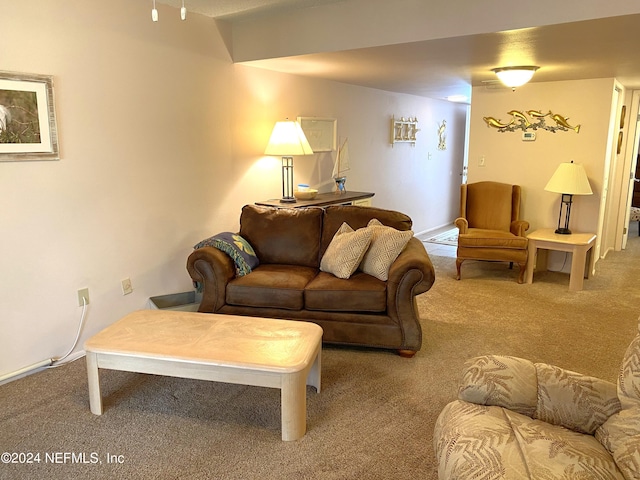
(345, 251)
(386, 245)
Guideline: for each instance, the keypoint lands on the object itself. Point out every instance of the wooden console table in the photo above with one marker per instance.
(580, 245)
(324, 199)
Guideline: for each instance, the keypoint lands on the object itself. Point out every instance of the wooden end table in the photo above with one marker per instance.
(222, 348)
(580, 245)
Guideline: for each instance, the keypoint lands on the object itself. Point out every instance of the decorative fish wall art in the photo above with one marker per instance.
(533, 119)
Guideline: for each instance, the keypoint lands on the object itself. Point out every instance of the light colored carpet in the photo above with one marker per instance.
(375, 416)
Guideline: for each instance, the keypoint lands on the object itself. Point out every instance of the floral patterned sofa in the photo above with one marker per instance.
(518, 420)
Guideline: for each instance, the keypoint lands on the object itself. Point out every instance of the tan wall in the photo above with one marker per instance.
(509, 159)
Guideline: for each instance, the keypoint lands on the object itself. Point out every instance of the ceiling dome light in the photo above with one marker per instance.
(515, 76)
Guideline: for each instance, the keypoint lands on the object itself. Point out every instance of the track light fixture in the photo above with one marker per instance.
(154, 12)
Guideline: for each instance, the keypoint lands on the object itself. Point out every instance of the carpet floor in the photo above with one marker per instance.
(375, 415)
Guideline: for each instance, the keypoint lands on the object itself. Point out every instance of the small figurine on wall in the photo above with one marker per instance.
(442, 137)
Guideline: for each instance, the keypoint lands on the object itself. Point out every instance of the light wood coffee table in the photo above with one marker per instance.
(223, 348)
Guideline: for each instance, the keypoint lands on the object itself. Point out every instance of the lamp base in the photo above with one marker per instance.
(288, 200)
(563, 231)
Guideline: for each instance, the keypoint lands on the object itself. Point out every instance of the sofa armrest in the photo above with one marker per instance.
(413, 257)
(462, 224)
(411, 274)
(213, 269)
(545, 392)
(507, 382)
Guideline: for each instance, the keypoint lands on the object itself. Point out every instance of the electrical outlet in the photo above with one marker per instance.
(127, 288)
(83, 297)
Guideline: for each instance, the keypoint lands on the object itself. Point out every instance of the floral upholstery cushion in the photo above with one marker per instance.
(539, 391)
(490, 442)
(515, 419)
(621, 432)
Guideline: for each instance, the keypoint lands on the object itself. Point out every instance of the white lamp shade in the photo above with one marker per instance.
(515, 76)
(569, 178)
(287, 138)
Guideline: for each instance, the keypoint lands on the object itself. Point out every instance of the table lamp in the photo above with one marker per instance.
(569, 179)
(288, 139)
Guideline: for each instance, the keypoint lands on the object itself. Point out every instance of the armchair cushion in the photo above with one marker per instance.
(477, 237)
(489, 205)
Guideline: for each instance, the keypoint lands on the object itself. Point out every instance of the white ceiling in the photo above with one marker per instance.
(601, 48)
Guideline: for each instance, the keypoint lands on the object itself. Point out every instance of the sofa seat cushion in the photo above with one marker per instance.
(360, 293)
(272, 286)
(478, 237)
(477, 441)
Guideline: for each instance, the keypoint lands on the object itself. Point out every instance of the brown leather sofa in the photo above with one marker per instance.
(290, 242)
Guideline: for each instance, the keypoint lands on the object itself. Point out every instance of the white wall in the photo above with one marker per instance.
(403, 177)
(140, 113)
(161, 142)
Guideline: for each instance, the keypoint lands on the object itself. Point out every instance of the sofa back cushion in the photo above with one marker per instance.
(358, 217)
(288, 236)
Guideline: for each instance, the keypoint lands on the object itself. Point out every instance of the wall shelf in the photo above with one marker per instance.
(404, 130)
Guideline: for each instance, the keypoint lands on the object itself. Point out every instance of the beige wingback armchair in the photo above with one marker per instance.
(489, 224)
(519, 420)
